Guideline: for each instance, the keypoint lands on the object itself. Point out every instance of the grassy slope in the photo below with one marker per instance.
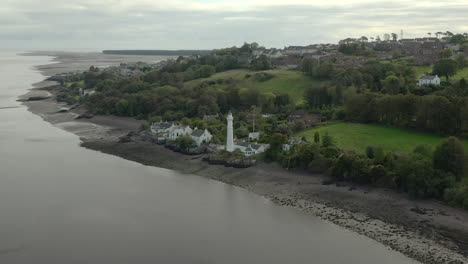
(461, 74)
(357, 137)
(285, 81)
(422, 70)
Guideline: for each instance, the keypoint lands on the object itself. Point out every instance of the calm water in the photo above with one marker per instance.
(60, 203)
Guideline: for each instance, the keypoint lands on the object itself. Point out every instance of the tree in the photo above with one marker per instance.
(185, 142)
(449, 156)
(261, 63)
(445, 67)
(308, 66)
(461, 61)
(317, 137)
(122, 107)
(327, 140)
(446, 53)
(392, 85)
(325, 70)
(206, 71)
(276, 146)
(457, 39)
(370, 152)
(394, 37)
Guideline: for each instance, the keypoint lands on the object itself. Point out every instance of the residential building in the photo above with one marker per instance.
(250, 149)
(179, 131)
(429, 79)
(161, 127)
(254, 136)
(307, 118)
(201, 136)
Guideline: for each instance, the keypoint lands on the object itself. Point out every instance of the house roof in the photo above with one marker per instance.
(429, 77)
(198, 133)
(248, 145)
(162, 125)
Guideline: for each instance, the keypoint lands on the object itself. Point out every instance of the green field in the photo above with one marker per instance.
(356, 137)
(463, 73)
(291, 82)
(422, 70)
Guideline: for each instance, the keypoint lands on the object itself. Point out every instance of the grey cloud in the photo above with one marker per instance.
(101, 27)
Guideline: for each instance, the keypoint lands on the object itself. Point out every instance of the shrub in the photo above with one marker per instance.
(327, 140)
(320, 165)
(370, 152)
(449, 156)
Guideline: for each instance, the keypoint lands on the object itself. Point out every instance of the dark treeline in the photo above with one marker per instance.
(431, 113)
(424, 173)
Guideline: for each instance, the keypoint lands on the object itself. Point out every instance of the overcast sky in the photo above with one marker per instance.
(207, 24)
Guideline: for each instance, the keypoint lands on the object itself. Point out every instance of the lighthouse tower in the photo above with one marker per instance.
(230, 134)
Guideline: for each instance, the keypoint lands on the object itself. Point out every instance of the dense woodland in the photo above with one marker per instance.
(381, 92)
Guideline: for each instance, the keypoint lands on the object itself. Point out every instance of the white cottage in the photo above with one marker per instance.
(250, 149)
(254, 136)
(161, 127)
(201, 136)
(429, 79)
(179, 131)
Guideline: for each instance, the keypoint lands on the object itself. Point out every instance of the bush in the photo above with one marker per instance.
(327, 140)
(351, 167)
(457, 197)
(320, 165)
(449, 156)
(263, 76)
(420, 179)
(370, 152)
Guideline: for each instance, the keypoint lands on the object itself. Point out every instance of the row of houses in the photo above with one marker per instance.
(170, 131)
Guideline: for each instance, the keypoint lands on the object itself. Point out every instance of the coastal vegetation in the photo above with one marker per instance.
(357, 137)
(398, 134)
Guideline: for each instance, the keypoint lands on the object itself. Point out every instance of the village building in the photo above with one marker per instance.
(179, 131)
(201, 136)
(247, 148)
(170, 131)
(250, 149)
(288, 146)
(429, 79)
(307, 118)
(254, 136)
(161, 127)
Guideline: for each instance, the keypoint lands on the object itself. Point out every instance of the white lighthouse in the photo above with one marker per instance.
(230, 134)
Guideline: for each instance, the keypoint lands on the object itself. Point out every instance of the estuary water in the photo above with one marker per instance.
(60, 203)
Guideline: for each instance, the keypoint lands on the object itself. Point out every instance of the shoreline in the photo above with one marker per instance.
(424, 230)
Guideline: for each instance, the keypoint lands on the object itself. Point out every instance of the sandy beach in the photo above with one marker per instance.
(427, 231)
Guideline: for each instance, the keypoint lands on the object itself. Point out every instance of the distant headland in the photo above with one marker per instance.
(158, 52)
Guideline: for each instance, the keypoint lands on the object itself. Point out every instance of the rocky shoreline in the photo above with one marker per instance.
(427, 231)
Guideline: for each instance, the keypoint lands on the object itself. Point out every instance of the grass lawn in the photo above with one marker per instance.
(422, 70)
(357, 137)
(80, 84)
(291, 82)
(460, 74)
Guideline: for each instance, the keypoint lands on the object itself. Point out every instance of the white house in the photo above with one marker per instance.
(254, 136)
(162, 127)
(429, 79)
(201, 136)
(250, 149)
(179, 131)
